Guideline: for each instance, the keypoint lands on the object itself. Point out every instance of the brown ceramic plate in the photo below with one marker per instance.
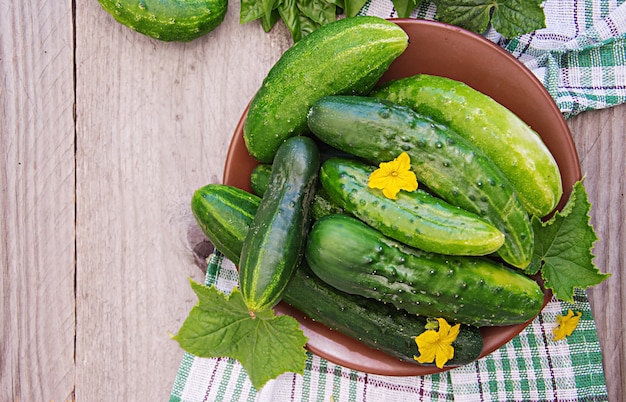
(449, 51)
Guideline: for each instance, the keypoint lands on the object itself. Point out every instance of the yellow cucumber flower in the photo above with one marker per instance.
(567, 325)
(391, 177)
(437, 345)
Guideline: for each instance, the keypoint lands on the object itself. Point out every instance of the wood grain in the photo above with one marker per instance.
(105, 134)
(154, 122)
(599, 139)
(36, 203)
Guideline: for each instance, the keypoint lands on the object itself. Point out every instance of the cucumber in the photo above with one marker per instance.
(345, 56)
(221, 210)
(415, 218)
(357, 259)
(275, 242)
(510, 143)
(259, 178)
(321, 207)
(168, 20)
(450, 166)
(380, 326)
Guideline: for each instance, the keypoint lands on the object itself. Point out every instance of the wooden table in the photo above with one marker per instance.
(105, 134)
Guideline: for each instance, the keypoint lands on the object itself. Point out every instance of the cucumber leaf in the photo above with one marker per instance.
(563, 248)
(510, 18)
(404, 7)
(221, 326)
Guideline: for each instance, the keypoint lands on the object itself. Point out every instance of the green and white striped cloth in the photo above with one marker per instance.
(581, 59)
(532, 367)
(580, 56)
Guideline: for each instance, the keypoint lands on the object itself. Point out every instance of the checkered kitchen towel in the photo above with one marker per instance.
(580, 56)
(531, 367)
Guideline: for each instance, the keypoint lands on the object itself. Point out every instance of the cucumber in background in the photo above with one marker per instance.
(168, 20)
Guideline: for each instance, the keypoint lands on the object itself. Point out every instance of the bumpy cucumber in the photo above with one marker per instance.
(322, 205)
(355, 258)
(450, 166)
(345, 56)
(510, 143)
(275, 242)
(415, 218)
(168, 20)
(380, 326)
(222, 212)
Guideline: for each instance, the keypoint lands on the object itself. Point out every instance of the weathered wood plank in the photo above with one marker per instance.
(599, 138)
(154, 122)
(36, 202)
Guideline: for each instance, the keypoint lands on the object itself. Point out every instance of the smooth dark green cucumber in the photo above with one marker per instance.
(509, 142)
(222, 212)
(415, 218)
(357, 259)
(345, 56)
(168, 20)
(321, 207)
(380, 326)
(275, 242)
(450, 166)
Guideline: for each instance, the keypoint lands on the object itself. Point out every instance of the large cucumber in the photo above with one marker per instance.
(355, 258)
(345, 56)
(275, 242)
(510, 143)
(415, 218)
(450, 166)
(168, 20)
(380, 326)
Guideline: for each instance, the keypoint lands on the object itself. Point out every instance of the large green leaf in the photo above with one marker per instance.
(266, 345)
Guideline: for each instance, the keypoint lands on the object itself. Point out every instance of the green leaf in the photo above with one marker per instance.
(268, 23)
(270, 14)
(250, 10)
(510, 18)
(352, 7)
(290, 14)
(320, 12)
(221, 326)
(339, 3)
(307, 25)
(563, 248)
(404, 7)
(517, 17)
